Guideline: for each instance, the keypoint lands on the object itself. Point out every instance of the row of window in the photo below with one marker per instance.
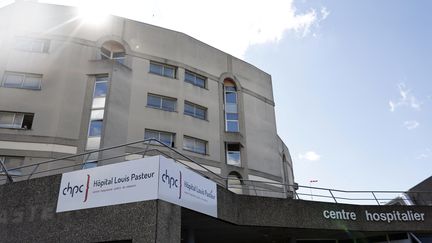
(22, 80)
(25, 120)
(115, 51)
(20, 120)
(189, 143)
(32, 44)
(33, 81)
(230, 106)
(170, 104)
(194, 145)
(171, 72)
(26, 80)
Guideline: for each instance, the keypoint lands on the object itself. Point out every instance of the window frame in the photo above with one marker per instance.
(195, 107)
(163, 66)
(112, 55)
(99, 101)
(159, 133)
(32, 41)
(227, 121)
(97, 111)
(101, 121)
(162, 99)
(22, 125)
(195, 78)
(227, 152)
(227, 91)
(231, 90)
(195, 140)
(24, 77)
(97, 82)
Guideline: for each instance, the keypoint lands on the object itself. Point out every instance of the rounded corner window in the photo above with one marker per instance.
(113, 50)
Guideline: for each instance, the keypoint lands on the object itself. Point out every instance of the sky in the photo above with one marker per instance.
(351, 79)
(354, 96)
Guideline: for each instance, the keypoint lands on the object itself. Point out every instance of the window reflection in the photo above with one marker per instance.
(95, 128)
(100, 89)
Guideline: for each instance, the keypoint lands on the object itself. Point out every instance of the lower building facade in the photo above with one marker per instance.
(69, 87)
(28, 214)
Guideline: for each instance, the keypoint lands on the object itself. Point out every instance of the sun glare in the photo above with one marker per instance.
(94, 14)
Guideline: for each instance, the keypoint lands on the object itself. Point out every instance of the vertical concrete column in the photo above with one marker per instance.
(168, 223)
(116, 114)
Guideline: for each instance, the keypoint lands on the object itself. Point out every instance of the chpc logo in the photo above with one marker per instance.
(173, 182)
(77, 189)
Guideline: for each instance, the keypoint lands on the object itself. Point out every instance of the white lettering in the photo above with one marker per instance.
(339, 215)
(326, 214)
(394, 216)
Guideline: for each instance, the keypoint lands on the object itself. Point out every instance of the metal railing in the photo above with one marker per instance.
(309, 193)
(151, 147)
(267, 188)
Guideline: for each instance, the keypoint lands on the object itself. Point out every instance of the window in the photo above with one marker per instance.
(230, 95)
(233, 154)
(195, 79)
(16, 120)
(163, 69)
(113, 50)
(231, 113)
(161, 102)
(166, 138)
(95, 129)
(22, 80)
(195, 110)
(89, 164)
(101, 87)
(32, 44)
(11, 162)
(100, 91)
(195, 145)
(231, 120)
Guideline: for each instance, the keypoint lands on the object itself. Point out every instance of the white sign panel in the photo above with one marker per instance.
(126, 182)
(186, 188)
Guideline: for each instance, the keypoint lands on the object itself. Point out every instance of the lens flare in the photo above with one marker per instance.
(93, 13)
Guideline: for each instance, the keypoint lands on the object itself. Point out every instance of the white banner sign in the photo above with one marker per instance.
(134, 181)
(126, 182)
(186, 188)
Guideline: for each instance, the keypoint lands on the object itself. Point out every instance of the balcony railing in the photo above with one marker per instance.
(151, 147)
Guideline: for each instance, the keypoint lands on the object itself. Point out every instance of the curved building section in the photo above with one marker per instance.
(69, 86)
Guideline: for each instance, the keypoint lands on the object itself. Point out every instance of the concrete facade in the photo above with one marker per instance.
(30, 207)
(36, 215)
(70, 62)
